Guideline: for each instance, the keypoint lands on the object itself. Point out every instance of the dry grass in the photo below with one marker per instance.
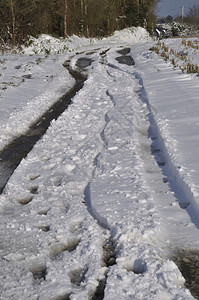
(174, 56)
(193, 44)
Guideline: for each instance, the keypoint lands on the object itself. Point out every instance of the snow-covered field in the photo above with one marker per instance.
(109, 195)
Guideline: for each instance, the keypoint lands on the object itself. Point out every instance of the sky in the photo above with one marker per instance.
(174, 7)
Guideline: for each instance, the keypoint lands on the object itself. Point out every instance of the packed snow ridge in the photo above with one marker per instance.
(109, 194)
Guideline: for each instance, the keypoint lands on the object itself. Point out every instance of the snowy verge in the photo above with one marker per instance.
(46, 44)
(38, 83)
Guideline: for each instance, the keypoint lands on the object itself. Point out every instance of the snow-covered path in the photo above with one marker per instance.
(92, 212)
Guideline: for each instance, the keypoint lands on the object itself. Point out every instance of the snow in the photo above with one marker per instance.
(28, 82)
(110, 192)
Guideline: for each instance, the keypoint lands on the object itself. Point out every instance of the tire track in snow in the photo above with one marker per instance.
(16, 150)
(171, 176)
(177, 186)
(184, 249)
(142, 264)
(119, 147)
(65, 242)
(110, 247)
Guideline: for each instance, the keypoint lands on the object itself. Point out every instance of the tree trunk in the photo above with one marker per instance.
(65, 17)
(86, 16)
(13, 22)
(82, 7)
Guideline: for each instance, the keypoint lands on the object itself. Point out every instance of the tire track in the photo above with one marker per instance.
(172, 188)
(54, 223)
(12, 155)
(171, 174)
(184, 249)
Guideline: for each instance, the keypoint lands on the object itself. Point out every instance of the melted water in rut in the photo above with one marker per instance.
(187, 261)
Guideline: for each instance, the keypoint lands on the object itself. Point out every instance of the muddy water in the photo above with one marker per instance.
(187, 261)
(12, 155)
(83, 62)
(124, 51)
(125, 58)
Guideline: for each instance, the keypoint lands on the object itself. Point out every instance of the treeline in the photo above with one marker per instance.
(91, 18)
(192, 16)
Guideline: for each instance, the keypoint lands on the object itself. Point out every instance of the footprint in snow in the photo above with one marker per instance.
(23, 200)
(77, 275)
(75, 225)
(33, 189)
(69, 245)
(34, 176)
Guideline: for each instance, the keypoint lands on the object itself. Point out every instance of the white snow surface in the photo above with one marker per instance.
(110, 192)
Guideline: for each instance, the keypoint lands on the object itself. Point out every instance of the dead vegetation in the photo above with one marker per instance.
(178, 58)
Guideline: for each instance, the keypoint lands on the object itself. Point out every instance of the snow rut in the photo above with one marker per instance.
(180, 189)
(49, 241)
(130, 185)
(18, 149)
(178, 208)
(119, 197)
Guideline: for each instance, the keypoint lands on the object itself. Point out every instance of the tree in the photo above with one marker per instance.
(169, 19)
(65, 17)
(12, 3)
(21, 18)
(192, 16)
